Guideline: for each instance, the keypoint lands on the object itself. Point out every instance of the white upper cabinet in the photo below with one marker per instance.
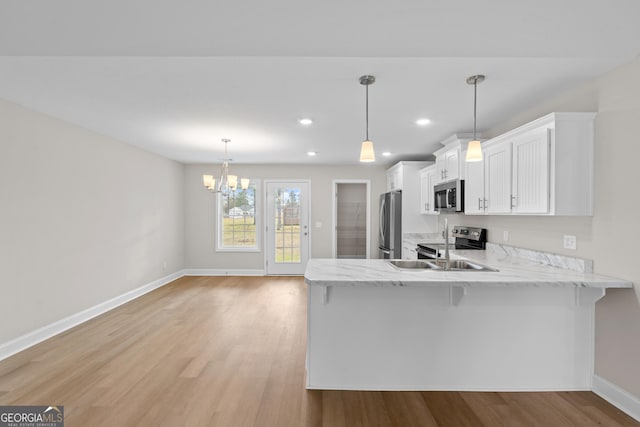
(448, 158)
(530, 192)
(542, 168)
(394, 177)
(474, 199)
(405, 176)
(497, 172)
(428, 178)
(448, 164)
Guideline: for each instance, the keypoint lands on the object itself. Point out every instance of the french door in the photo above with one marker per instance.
(287, 227)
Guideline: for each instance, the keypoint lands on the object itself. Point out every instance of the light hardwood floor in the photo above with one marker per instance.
(230, 351)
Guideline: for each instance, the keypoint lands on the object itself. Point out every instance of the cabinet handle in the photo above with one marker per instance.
(479, 201)
(513, 201)
(485, 204)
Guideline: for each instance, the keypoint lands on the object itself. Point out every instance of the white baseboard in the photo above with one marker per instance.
(222, 272)
(618, 397)
(32, 338)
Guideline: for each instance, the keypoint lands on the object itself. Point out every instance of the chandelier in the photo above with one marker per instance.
(227, 182)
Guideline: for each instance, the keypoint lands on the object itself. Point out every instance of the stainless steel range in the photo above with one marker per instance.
(466, 238)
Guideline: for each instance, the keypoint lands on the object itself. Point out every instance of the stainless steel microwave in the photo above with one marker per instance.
(449, 196)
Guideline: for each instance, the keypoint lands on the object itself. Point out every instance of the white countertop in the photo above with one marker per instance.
(513, 272)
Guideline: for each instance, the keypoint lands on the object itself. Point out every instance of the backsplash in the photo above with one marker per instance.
(580, 265)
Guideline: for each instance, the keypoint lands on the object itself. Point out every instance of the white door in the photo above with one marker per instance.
(287, 228)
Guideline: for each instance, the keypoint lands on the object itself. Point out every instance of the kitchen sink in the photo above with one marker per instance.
(404, 264)
(464, 265)
(439, 265)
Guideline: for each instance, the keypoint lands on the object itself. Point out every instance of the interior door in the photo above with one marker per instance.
(287, 229)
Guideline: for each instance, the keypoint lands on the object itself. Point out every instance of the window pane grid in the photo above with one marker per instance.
(287, 225)
(237, 224)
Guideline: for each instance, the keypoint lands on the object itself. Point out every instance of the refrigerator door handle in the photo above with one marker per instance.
(381, 219)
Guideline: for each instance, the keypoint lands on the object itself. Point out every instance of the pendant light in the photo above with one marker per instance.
(474, 149)
(366, 151)
(227, 182)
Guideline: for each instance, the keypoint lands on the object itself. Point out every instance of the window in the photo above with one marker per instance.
(238, 220)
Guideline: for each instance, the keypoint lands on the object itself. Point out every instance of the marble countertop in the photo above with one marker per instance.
(513, 272)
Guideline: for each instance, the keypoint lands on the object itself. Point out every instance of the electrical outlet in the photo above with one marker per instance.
(570, 242)
(164, 265)
(505, 235)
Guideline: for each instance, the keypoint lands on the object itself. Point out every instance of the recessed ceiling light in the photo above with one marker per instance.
(386, 153)
(305, 121)
(423, 122)
(311, 153)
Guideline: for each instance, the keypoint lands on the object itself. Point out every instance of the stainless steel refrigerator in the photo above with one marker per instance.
(390, 239)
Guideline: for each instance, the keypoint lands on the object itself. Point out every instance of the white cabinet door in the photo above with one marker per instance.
(394, 178)
(424, 192)
(452, 159)
(448, 164)
(428, 178)
(497, 172)
(474, 200)
(531, 172)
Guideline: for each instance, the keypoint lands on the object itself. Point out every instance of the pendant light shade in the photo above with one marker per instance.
(474, 149)
(367, 154)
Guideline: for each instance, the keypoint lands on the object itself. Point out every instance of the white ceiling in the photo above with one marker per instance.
(176, 77)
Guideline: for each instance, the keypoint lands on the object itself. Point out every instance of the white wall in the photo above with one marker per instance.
(200, 210)
(83, 218)
(610, 236)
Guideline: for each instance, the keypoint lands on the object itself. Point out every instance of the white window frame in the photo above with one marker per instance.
(257, 215)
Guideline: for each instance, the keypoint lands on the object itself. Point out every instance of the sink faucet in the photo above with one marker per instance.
(446, 244)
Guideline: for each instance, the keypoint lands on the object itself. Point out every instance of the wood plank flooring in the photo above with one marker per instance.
(230, 351)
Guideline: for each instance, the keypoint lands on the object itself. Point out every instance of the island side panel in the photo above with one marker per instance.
(411, 338)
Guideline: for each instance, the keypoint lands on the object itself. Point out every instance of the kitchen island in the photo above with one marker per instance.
(527, 326)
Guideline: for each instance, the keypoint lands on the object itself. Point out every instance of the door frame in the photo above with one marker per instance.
(266, 213)
(334, 234)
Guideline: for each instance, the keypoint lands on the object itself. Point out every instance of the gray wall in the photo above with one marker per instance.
(200, 210)
(610, 236)
(83, 218)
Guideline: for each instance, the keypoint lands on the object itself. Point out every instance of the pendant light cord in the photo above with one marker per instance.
(475, 97)
(367, 110)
